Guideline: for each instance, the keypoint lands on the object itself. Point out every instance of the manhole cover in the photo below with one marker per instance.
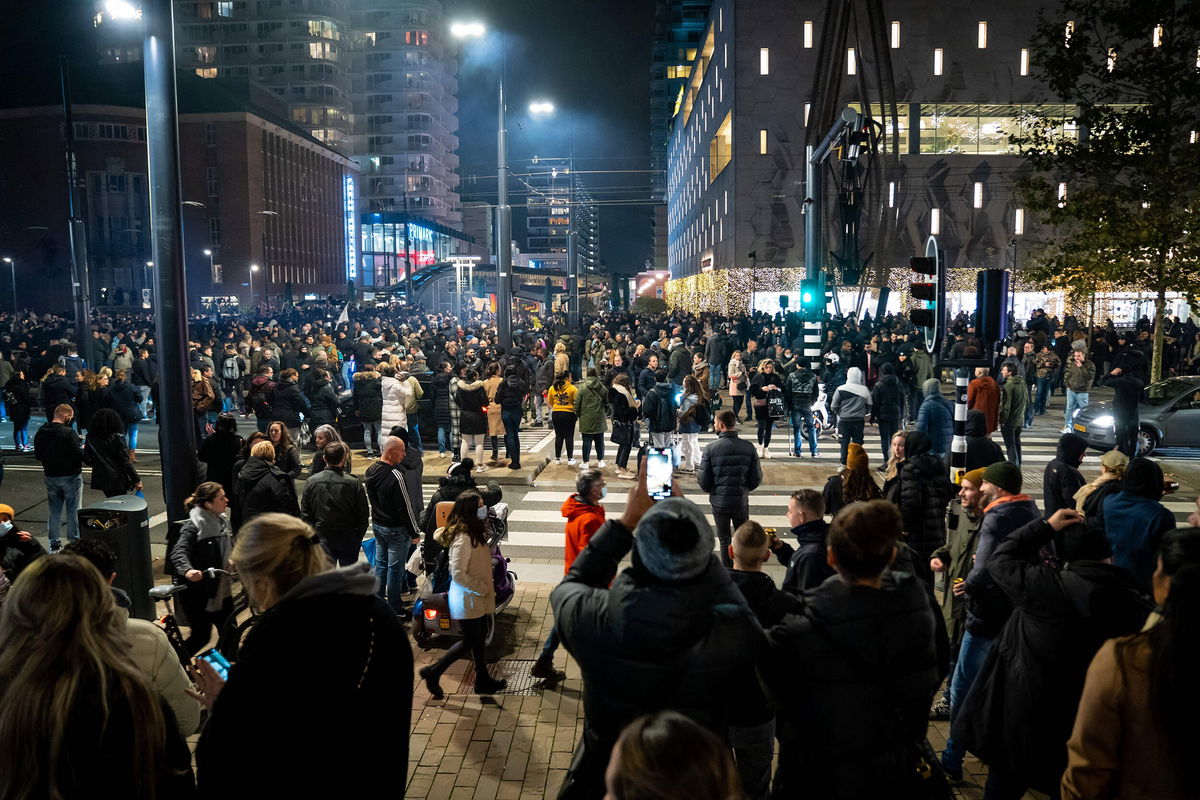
(514, 670)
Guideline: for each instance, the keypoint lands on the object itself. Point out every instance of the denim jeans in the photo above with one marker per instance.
(851, 431)
(1012, 442)
(753, 749)
(131, 430)
(371, 438)
(971, 656)
(391, 551)
(1075, 400)
(1031, 405)
(593, 440)
(1043, 394)
(143, 393)
(551, 644)
(63, 495)
(887, 429)
(348, 374)
(714, 378)
(414, 433)
(512, 429)
(444, 443)
(802, 429)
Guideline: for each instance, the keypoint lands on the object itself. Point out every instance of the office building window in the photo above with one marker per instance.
(891, 194)
(1019, 222)
(978, 194)
(214, 231)
(1024, 61)
(808, 33)
(895, 34)
(720, 148)
(764, 61)
(210, 181)
(210, 134)
(935, 221)
(937, 61)
(851, 62)
(762, 141)
(982, 35)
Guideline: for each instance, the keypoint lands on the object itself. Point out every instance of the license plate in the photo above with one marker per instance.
(444, 624)
(1080, 428)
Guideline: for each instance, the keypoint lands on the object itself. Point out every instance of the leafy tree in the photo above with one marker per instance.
(1126, 151)
(649, 306)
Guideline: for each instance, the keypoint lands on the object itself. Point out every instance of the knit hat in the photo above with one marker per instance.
(673, 541)
(975, 477)
(7, 509)
(1114, 461)
(1005, 475)
(1079, 344)
(856, 457)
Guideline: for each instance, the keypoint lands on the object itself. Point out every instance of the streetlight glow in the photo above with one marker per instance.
(254, 267)
(208, 252)
(541, 107)
(467, 30)
(149, 263)
(7, 260)
(122, 10)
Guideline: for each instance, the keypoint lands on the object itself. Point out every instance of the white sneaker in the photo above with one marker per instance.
(601, 464)
(571, 461)
(766, 452)
(558, 461)
(481, 468)
(583, 465)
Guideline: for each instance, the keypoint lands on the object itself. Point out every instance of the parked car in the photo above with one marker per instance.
(1168, 415)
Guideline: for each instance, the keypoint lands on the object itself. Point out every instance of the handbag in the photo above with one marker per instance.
(622, 433)
(368, 548)
(775, 406)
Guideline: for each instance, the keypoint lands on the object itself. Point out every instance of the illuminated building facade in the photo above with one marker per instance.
(387, 236)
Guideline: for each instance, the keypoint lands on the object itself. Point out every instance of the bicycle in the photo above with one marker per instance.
(231, 633)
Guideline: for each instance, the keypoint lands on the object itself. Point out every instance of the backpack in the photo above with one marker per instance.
(230, 369)
(702, 415)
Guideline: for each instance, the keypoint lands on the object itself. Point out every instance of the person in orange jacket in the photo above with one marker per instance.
(584, 516)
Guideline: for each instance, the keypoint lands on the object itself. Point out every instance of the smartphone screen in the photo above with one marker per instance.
(218, 661)
(658, 473)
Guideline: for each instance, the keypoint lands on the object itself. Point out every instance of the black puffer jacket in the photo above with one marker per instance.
(635, 640)
(439, 391)
(287, 404)
(1062, 478)
(853, 675)
(988, 608)
(262, 488)
(511, 393)
(324, 404)
(729, 471)
(472, 400)
(1020, 710)
(925, 491)
(368, 396)
(887, 399)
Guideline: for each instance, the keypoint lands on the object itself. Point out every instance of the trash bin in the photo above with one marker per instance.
(123, 523)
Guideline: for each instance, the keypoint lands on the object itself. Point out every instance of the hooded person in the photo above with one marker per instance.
(887, 405)
(1135, 520)
(675, 611)
(1062, 478)
(935, 418)
(925, 490)
(851, 402)
(981, 450)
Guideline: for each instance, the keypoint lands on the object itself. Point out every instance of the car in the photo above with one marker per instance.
(1168, 416)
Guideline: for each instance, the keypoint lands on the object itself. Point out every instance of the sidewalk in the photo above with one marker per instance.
(519, 745)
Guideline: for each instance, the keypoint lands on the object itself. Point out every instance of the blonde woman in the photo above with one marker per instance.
(1089, 500)
(562, 361)
(341, 632)
(77, 717)
(739, 382)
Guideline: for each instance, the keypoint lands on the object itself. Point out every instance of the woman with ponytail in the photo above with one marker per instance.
(326, 663)
(1135, 733)
(204, 543)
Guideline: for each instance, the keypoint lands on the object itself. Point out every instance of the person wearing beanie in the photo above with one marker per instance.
(842, 692)
(852, 484)
(1135, 520)
(1019, 716)
(953, 562)
(18, 549)
(988, 607)
(1062, 478)
(675, 612)
(935, 418)
(1089, 500)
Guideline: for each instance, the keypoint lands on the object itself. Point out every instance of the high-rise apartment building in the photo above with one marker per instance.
(556, 195)
(374, 79)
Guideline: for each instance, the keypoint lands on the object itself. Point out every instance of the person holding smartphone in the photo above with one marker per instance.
(204, 543)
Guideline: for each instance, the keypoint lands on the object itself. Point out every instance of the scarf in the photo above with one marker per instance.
(214, 526)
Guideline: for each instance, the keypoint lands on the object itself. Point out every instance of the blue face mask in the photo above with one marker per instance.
(603, 492)
(5, 527)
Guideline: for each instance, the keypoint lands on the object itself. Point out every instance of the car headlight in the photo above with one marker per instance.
(1105, 421)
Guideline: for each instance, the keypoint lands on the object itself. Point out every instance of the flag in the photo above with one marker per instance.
(345, 315)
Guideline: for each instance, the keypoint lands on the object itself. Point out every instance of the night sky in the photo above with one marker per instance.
(591, 58)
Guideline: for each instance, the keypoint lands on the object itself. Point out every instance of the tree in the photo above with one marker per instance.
(649, 306)
(1118, 175)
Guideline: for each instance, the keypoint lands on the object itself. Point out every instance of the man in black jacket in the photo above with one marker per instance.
(807, 564)
(335, 503)
(729, 472)
(1062, 478)
(60, 450)
(670, 632)
(394, 520)
(1127, 378)
(854, 672)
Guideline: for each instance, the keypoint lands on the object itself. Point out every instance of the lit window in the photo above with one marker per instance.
(807, 108)
(1062, 195)
(209, 72)
(935, 221)
(1192, 137)
(1068, 32)
(1112, 59)
(982, 35)
(1024, 61)
(895, 34)
(808, 33)
(726, 201)
(891, 194)
(1157, 37)
(762, 141)
(937, 61)
(764, 61)
(978, 194)
(851, 62)
(720, 148)
(1019, 222)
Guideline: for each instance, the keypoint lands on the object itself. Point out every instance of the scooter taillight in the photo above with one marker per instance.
(431, 613)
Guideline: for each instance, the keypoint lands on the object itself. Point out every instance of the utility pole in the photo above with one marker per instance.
(408, 283)
(503, 233)
(572, 240)
(80, 290)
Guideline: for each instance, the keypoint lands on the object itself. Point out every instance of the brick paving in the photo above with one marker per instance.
(512, 747)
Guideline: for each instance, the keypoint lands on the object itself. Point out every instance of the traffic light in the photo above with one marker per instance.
(930, 290)
(812, 299)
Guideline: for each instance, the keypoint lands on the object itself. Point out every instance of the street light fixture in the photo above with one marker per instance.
(467, 30)
(12, 268)
(253, 269)
(541, 107)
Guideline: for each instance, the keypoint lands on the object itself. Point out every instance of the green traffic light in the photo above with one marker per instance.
(806, 298)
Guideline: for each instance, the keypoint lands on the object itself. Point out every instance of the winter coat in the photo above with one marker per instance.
(16, 554)
(981, 450)
(394, 393)
(494, 422)
(1046, 363)
(925, 491)
(472, 586)
(1014, 399)
(472, 402)
(194, 550)
(440, 393)
(801, 388)
(324, 405)
(367, 395)
(591, 406)
(288, 403)
(262, 488)
(1062, 478)
(645, 382)
(988, 608)
(760, 395)
(1135, 374)
(583, 520)
(335, 503)
(624, 404)
(447, 492)
(1135, 526)
(20, 401)
(659, 407)
(112, 470)
(851, 400)
(634, 639)
(510, 395)
(958, 554)
(1079, 378)
(887, 396)
(679, 365)
(739, 378)
(220, 452)
(853, 675)
(366, 671)
(807, 567)
(124, 401)
(729, 472)
(1021, 707)
(57, 390)
(935, 419)
(984, 394)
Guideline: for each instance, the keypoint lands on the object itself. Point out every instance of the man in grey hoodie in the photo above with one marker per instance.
(851, 403)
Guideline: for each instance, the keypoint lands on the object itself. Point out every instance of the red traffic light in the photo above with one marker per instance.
(923, 291)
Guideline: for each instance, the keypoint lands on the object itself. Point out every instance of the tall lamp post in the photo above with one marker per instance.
(253, 269)
(475, 30)
(12, 269)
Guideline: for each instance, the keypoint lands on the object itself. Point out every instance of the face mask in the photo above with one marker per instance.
(481, 513)
(603, 492)
(5, 527)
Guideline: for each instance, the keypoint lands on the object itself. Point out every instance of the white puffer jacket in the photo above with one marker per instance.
(395, 397)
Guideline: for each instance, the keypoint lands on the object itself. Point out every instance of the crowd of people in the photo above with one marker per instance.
(1055, 637)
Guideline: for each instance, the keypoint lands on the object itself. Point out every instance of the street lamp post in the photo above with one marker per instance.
(474, 30)
(12, 269)
(211, 269)
(253, 269)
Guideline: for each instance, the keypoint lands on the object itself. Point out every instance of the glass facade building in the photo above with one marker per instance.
(386, 238)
